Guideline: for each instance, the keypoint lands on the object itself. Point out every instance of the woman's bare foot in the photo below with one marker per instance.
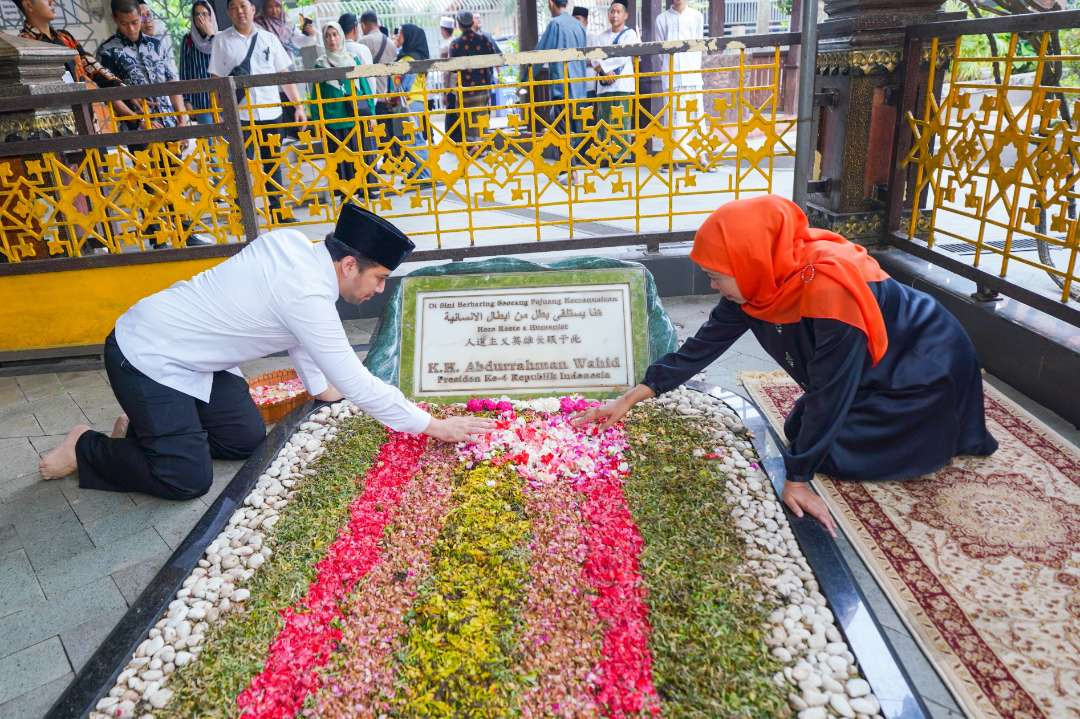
(60, 462)
(120, 427)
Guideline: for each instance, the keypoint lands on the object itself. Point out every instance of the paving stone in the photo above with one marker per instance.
(84, 568)
(90, 398)
(82, 641)
(9, 539)
(18, 586)
(177, 525)
(40, 386)
(57, 415)
(18, 420)
(35, 500)
(132, 580)
(33, 667)
(940, 711)
(35, 703)
(79, 380)
(115, 526)
(51, 538)
(10, 393)
(46, 442)
(19, 458)
(17, 485)
(93, 504)
(37, 623)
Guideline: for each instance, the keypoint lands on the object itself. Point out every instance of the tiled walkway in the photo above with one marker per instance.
(71, 561)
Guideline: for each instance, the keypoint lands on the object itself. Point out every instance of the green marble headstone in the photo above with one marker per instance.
(588, 325)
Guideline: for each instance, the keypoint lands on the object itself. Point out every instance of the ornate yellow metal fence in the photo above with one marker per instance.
(521, 148)
(996, 158)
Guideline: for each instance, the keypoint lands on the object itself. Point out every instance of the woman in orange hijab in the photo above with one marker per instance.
(892, 386)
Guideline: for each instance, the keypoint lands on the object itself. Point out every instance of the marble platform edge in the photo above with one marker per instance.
(877, 659)
(100, 672)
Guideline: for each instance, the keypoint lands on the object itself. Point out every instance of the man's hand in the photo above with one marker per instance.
(458, 429)
(609, 413)
(330, 394)
(800, 499)
(301, 114)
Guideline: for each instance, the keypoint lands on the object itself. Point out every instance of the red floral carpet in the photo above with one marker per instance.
(981, 559)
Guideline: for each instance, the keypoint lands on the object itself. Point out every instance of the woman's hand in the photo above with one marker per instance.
(458, 429)
(800, 499)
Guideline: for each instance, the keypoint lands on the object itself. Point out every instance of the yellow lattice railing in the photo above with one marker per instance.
(997, 159)
(511, 161)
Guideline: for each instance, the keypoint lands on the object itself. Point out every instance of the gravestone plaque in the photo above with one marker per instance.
(523, 333)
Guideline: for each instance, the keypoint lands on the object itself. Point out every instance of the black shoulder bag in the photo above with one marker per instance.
(244, 68)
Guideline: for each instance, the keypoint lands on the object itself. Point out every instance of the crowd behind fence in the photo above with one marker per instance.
(527, 159)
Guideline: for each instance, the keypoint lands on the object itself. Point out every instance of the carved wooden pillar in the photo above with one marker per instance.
(857, 85)
(528, 25)
(716, 18)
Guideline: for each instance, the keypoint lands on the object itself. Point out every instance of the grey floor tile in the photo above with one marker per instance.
(103, 416)
(16, 485)
(9, 539)
(10, 392)
(89, 604)
(940, 711)
(879, 604)
(133, 579)
(82, 641)
(19, 421)
(51, 538)
(93, 504)
(87, 567)
(46, 442)
(19, 586)
(93, 397)
(178, 524)
(19, 457)
(81, 380)
(36, 499)
(57, 414)
(35, 703)
(40, 386)
(32, 668)
(113, 527)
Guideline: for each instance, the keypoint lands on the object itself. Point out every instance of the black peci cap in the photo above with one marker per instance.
(372, 236)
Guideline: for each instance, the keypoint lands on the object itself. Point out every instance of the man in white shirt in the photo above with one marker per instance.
(172, 359)
(264, 55)
(351, 27)
(616, 83)
(681, 71)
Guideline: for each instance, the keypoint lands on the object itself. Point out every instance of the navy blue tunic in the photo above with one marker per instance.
(920, 406)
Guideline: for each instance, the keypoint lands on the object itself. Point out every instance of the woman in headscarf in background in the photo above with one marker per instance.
(195, 57)
(412, 45)
(342, 106)
(892, 386)
(272, 19)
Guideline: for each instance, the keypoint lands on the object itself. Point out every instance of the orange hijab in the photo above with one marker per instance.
(787, 270)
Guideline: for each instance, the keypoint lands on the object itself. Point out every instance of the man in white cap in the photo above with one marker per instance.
(172, 359)
(446, 34)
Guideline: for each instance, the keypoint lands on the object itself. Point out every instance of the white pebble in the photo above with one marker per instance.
(160, 698)
(858, 687)
(865, 705)
(839, 704)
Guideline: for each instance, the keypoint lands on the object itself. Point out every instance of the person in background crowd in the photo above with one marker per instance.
(345, 119)
(412, 45)
(616, 84)
(565, 32)
(152, 27)
(37, 18)
(246, 49)
(351, 27)
(446, 34)
(473, 102)
(680, 72)
(84, 67)
(139, 59)
(195, 57)
(581, 14)
(272, 19)
(383, 51)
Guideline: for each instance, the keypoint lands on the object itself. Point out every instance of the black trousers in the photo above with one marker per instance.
(171, 436)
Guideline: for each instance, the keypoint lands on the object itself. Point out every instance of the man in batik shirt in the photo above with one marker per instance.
(474, 102)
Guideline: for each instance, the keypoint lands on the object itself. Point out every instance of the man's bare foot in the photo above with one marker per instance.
(119, 428)
(60, 462)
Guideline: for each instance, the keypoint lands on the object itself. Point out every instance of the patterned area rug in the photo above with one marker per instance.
(981, 559)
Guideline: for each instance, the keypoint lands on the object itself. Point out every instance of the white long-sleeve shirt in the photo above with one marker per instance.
(277, 294)
(686, 25)
(621, 66)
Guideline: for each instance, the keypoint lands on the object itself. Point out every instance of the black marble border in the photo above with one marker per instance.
(874, 653)
(99, 673)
